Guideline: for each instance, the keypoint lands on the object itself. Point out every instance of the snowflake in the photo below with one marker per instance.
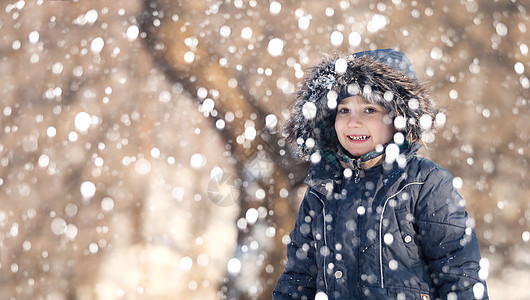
(325, 81)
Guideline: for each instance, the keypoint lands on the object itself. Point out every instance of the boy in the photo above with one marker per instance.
(376, 222)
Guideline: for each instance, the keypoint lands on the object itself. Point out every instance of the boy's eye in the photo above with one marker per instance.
(343, 110)
(370, 110)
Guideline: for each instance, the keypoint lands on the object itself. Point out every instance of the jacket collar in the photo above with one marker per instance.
(360, 164)
(327, 173)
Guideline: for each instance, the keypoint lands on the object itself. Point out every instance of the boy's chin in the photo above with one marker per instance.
(357, 154)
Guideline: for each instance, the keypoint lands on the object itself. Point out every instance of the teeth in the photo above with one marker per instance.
(359, 138)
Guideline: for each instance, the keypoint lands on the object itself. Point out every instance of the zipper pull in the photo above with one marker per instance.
(357, 170)
(359, 173)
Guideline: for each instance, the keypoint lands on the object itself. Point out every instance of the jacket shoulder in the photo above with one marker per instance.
(420, 168)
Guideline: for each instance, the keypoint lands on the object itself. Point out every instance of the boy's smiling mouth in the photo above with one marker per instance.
(358, 137)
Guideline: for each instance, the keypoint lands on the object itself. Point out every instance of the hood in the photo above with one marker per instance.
(385, 77)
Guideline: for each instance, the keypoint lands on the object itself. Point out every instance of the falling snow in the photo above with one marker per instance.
(141, 139)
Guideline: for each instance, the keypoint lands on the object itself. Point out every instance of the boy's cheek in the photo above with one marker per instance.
(388, 120)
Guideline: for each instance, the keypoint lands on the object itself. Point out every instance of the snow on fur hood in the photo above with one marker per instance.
(384, 77)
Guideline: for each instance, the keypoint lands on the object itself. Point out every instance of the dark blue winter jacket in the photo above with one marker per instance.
(397, 233)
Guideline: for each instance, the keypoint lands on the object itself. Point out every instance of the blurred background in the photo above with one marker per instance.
(139, 148)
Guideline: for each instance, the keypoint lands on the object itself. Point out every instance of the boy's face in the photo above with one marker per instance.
(360, 125)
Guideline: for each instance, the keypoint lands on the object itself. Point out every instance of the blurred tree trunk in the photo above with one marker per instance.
(171, 31)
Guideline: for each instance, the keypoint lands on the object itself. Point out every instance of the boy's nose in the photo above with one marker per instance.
(354, 122)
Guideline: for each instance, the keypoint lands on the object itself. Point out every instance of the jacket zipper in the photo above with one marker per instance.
(359, 173)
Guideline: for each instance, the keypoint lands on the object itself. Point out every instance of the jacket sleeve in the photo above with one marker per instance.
(299, 277)
(447, 238)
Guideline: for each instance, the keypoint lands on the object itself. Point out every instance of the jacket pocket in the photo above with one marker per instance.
(409, 239)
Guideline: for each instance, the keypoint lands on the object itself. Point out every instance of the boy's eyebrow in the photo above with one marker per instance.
(366, 101)
(372, 103)
(363, 101)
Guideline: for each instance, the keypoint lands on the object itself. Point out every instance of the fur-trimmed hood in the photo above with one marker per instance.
(384, 77)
